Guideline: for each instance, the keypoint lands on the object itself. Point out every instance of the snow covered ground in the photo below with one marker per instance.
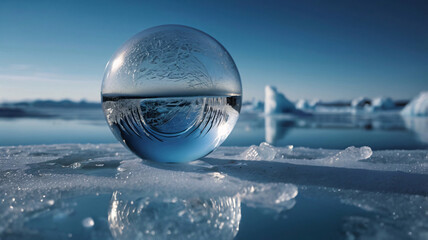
(102, 191)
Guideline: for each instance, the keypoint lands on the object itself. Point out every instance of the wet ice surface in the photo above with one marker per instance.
(102, 191)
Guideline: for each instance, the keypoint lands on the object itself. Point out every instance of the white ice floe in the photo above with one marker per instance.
(276, 102)
(418, 106)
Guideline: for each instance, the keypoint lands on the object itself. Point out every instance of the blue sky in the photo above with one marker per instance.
(308, 49)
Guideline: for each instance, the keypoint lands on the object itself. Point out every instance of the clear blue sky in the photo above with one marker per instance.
(308, 49)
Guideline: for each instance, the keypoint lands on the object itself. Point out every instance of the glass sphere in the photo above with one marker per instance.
(171, 94)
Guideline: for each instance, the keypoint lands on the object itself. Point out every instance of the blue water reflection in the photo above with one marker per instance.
(334, 131)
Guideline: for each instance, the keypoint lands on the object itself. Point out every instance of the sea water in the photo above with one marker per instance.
(171, 129)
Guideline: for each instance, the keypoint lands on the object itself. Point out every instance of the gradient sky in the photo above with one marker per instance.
(308, 49)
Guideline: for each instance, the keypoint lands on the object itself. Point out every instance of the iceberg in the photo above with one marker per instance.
(418, 106)
(276, 102)
(382, 103)
(360, 102)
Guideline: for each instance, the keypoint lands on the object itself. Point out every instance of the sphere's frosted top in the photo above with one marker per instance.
(171, 60)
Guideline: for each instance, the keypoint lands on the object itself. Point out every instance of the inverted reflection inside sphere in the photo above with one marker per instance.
(171, 94)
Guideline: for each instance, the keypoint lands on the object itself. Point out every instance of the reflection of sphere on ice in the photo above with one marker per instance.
(153, 217)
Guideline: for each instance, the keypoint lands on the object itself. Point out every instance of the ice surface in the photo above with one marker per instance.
(276, 102)
(54, 191)
(418, 106)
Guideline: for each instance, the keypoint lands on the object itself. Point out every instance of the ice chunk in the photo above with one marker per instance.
(277, 196)
(351, 154)
(276, 102)
(418, 106)
(88, 222)
(264, 151)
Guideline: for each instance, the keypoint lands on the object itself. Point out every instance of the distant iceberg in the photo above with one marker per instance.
(253, 106)
(364, 104)
(360, 102)
(304, 104)
(383, 103)
(418, 106)
(276, 102)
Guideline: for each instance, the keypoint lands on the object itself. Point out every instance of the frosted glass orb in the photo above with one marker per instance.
(171, 94)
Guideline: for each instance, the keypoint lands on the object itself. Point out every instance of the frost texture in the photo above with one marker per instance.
(171, 56)
(171, 60)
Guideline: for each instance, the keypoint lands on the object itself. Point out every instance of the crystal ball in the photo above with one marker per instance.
(171, 93)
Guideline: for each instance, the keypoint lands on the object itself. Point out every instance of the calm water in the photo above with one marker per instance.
(382, 131)
(332, 211)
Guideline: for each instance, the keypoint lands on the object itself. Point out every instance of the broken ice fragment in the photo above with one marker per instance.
(264, 151)
(351, 154)
(88, 222)
(274, 196)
